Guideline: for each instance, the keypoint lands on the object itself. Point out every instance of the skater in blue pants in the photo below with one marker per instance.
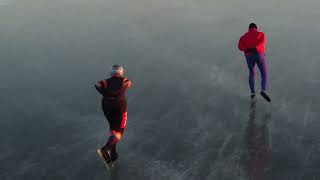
(252, 43)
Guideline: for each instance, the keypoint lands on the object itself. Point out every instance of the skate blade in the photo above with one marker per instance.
(113, 164)
(104, 162)
(266, 97)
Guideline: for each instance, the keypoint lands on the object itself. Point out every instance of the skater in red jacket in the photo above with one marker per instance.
(114, 106)
(253, 43)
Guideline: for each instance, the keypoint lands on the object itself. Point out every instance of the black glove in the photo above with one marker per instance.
(99, 89)
(251, 50)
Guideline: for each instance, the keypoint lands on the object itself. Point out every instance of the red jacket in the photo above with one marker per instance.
(252, 39)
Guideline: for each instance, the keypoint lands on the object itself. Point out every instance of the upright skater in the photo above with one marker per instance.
(253, 43)
(114, 107)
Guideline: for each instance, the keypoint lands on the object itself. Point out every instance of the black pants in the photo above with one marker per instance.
(115, 112)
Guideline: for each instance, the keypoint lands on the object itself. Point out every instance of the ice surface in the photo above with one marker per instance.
(190, 115)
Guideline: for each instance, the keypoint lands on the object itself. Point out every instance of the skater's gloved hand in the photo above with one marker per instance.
(251, 50)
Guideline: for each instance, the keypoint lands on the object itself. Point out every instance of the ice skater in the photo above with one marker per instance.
(114, 106)
(253, 43)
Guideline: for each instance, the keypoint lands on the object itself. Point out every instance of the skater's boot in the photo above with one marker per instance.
(114, 157)
(105, 155)
(106, 151)
(253, 95)
(265, 96)
(113, 153)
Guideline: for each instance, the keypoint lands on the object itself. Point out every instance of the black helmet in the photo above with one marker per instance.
(253, 26)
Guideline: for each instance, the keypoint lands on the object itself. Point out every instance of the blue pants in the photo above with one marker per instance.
(259, 59)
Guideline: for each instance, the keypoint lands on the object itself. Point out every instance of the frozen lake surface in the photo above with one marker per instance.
(190, 116)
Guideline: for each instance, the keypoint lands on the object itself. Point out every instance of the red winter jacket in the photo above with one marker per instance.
(252, 39)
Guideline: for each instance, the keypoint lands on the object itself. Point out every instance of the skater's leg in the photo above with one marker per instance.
(117, 121)
(119, 132)
(112, 141)
(251, 64)
(110, 148)
(117, 124)
(262, 65)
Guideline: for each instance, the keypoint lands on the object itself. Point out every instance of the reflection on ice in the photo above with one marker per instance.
(256, 153)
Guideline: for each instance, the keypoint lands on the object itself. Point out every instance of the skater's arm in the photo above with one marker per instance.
(261, 41)
(101, 85)
(126, 83)
(241, 44)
